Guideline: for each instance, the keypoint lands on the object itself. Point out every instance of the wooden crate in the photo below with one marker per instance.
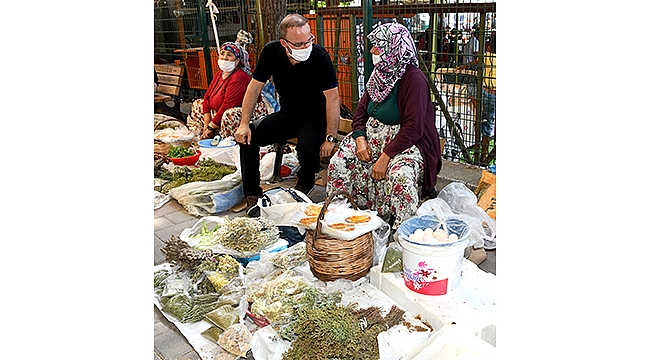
(169, 78)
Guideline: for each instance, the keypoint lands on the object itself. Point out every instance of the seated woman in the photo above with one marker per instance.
(219, 111)
(392, 154)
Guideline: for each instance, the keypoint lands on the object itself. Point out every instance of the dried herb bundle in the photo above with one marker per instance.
(323, 329)
(178, 252)
(247, 234)
(207, 170)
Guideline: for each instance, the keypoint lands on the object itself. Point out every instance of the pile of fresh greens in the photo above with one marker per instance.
(180, 152)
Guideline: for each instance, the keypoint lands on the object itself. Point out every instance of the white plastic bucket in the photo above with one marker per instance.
(433, 269)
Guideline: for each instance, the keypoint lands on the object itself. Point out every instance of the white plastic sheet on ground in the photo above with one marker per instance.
(453, 342)
(159, 199)
(267, 344)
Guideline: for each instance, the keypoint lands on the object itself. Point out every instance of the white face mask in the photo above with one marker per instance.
(376, 59)
(301, 54)
(227, 66)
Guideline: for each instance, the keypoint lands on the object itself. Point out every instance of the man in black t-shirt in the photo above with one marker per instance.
(305, 80)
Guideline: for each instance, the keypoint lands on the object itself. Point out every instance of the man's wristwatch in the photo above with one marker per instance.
(211, 128)
(332, 139)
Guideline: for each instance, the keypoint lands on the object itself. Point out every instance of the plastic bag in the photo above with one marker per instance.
(231, 298)
(267, 164)
(174, 285)
(225, 200)
(178, 305)
(381, 236)
(463, 202)
(392, 261)
(197, 197)
(291, 257)
(236, 339)
(226, 152)
(213, 333)
(223, 316)
(281, 195)
(190, 235)
(267, 344)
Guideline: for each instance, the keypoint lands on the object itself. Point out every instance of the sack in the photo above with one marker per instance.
(225, 200)
(198, 197)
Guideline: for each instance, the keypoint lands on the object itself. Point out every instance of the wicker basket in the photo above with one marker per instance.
(331, 259)
(161, 147)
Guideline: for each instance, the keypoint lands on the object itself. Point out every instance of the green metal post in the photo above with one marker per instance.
(320, 29)
(353, 62)
(479, 87)
(206, 41)
(367, 27)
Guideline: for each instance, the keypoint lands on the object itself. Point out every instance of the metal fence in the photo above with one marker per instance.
(453, 38)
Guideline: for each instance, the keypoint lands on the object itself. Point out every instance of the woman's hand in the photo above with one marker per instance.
(363, 151)
(207, 134)
(380, 167)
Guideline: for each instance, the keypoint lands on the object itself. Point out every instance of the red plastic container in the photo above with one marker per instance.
(188, 160)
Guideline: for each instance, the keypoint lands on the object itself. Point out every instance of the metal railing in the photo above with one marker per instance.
(442, 31)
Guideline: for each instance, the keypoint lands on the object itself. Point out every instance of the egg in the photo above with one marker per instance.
(428, 233)
(453, 237)
(439, 232)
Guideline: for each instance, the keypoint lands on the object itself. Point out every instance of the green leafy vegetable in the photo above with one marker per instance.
(179, 152)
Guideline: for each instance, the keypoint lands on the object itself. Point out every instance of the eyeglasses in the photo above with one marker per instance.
(302, 44)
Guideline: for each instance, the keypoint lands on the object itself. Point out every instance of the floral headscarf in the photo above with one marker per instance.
(396, 49)
(239, 53)
(244, 38)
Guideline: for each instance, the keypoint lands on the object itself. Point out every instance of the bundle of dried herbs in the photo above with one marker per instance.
(275, 299)
(290, 257)
(323, 329)
(206, 170)
(213, 273)
(247, 234)
(178, 252)
(201, 305)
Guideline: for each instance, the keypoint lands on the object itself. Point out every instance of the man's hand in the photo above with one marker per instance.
(243, 134)
(363, 151)
(380, 167)
(327, 149)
